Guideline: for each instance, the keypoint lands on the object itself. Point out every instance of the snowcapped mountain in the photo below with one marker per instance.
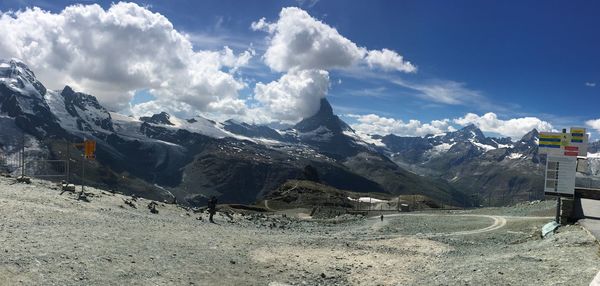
(498, 169)
(162, 156)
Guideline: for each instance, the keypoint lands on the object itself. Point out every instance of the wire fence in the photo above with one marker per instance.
(32, 158)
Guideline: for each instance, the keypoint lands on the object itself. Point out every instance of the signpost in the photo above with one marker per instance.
(89, 153)
(563, 150)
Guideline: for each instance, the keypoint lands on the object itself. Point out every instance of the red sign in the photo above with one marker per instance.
(571, 153)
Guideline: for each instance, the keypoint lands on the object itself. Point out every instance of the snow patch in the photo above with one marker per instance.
(367, 200)
(482, 146)
(514, 156)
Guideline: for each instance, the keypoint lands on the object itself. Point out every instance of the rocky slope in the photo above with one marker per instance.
(49, 238)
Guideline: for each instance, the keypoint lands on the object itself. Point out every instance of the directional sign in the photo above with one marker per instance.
(560, 175)
(570, 144)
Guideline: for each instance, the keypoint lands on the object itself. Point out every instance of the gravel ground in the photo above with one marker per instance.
(52, 239)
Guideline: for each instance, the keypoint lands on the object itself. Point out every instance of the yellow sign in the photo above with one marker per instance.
(570, 144)
(89, 149)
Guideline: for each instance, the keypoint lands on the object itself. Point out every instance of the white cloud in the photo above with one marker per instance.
(111, 53)
(294, 96)
(595, 124)
(299, 41)
(389, 60)
(305, 48)
(590, 84)
(514, 128)
(375, 124)
(447, 92)
(489, 122)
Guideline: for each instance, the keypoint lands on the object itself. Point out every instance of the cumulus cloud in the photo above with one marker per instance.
(514, 128)
(389, 60)
(111, 53)
(305, 48)
(489, 122)
(299, 41)
(294, 95)
(375, 124)
(594, 124)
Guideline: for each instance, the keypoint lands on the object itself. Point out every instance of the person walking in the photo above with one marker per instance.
(212, 208)
(381, 217)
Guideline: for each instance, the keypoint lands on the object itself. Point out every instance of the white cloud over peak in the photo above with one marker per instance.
(514, 128)
(299, 41)
(375, 124)
(294, 96)
(111, 53)
(305, 49)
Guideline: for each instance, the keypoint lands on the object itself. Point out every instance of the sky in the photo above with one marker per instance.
(409, 68)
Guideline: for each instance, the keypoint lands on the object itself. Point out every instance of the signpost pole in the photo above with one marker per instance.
(82, 173)
(557, 219)
(68, 161)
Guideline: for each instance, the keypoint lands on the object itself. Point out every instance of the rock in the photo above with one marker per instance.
(232, 261)
(130, 203)
(152, 207)
(68, 188)
(323, 275)
(24, 179)
(82, 196)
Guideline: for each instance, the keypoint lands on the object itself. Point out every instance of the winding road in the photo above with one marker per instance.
(498, 222)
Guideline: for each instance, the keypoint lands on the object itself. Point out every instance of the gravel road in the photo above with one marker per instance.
(52, 239)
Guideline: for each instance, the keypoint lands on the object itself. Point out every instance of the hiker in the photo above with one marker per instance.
(381, 217)
(212, 208)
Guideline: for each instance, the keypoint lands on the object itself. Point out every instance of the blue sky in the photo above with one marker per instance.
(513, 58)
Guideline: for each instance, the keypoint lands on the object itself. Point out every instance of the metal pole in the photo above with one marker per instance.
(557, 219)
(82, 172)
(68, 160)
(23, 156)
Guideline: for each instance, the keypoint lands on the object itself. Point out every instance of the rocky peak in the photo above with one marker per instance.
(467, 133)
(159, 118)
(16, 75)
(531, 136)
(323, 118)
(87, 111)
(79, 99)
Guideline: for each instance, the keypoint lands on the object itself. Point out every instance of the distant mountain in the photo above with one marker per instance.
(329, 134)
(255, 131)
(493, 171)
(162, 157)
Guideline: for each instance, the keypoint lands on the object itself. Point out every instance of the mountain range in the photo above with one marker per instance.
(188, 160)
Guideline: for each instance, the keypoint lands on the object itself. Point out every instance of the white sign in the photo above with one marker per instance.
(560, 175)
